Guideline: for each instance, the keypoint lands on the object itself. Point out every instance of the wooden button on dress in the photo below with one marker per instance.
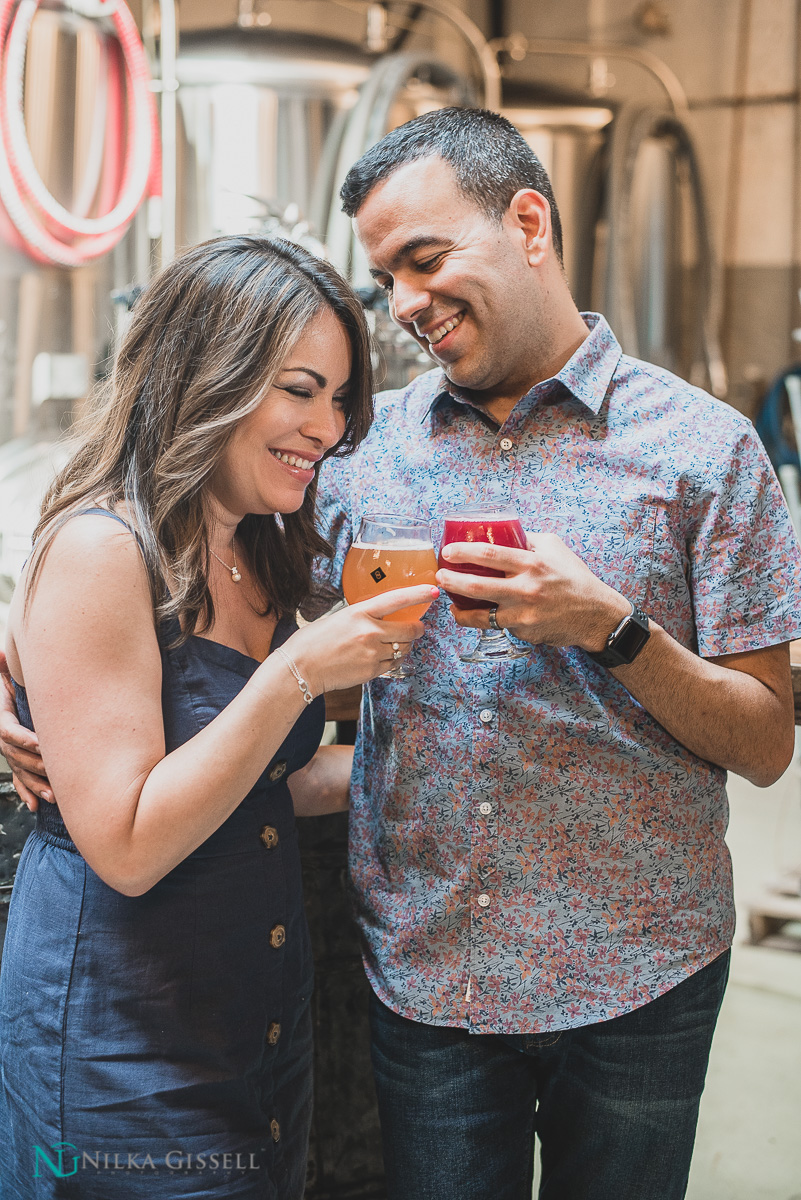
(275, 1130)
(277, 936)
(273, 1033)
(278, 770)
(269, 835)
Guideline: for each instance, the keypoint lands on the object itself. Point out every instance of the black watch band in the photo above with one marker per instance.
(626, 642)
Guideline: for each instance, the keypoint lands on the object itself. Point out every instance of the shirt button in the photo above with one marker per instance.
(269, 835)
(275, 1130)
(278, 770)
(273, 1033)
(484, 900)
(506, 443)
(485, 808)
(277, 936)
(486, 715)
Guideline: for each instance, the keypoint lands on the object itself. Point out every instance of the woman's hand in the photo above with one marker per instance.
(20, 747)
(355, 644)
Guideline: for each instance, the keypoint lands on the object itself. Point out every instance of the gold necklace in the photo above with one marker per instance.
(235, 574)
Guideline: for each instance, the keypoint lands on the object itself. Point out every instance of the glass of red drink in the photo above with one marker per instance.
(499, 529)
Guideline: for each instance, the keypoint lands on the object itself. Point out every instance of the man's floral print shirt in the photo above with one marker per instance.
(530, 849)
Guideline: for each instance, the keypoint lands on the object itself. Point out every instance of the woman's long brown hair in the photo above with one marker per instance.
(206, 340)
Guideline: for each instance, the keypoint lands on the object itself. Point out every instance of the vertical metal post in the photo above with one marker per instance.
(169, 169)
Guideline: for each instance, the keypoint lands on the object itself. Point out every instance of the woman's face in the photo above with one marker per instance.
(269, 462)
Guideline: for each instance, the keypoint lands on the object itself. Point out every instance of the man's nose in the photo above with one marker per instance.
(409, 301)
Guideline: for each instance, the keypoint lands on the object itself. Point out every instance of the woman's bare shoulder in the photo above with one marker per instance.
(91, 574)
(93, 543)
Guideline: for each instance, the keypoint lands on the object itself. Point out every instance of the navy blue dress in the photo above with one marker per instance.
(160, 1045)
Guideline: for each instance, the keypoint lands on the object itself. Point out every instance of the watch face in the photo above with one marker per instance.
(624, 646)
(632, 638)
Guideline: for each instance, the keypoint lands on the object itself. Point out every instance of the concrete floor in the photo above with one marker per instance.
(749, 1133)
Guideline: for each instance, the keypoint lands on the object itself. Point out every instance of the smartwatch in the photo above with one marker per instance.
(624, 643)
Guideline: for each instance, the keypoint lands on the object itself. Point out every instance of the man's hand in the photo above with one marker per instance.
(548, 596)
(20, 747)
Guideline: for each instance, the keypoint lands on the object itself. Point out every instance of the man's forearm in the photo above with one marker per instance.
(721, 713)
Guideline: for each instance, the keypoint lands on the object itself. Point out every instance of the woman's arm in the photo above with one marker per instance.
(323, 785)
(92, 672)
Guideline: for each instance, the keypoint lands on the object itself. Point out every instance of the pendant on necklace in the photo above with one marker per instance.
(235, 575)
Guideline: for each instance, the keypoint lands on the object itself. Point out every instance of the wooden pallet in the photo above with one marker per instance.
(772, 920)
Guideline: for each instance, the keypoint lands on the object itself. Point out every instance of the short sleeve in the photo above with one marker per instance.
(334, 523)
(744, 555)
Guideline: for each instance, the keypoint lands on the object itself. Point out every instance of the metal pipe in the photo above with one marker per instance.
(168, 39)
(497, 16)
(490, 71)
(733, 193)
(755, 100)
(795, 245)
(518, 45)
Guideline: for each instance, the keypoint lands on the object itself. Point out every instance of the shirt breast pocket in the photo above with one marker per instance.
(619, 547)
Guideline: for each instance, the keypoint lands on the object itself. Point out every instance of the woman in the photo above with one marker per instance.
(154, 1001)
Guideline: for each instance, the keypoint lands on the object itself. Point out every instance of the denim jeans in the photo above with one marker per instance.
(615, 1104)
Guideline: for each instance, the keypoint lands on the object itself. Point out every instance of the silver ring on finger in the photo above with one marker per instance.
(492, 617)
(396, 651)
(396, 646)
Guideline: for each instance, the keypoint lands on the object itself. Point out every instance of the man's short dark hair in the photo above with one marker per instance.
(489, 157)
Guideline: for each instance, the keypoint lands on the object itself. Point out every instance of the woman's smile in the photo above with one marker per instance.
(300, 417)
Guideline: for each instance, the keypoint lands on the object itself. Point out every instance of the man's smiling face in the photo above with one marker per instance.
(458, 281)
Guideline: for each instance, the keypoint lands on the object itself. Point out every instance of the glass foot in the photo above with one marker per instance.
(494, 646)
(399, 671)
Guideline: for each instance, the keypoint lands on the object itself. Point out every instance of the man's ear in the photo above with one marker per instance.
(530, 212)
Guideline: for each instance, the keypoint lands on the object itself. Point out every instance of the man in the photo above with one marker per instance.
(537, 848)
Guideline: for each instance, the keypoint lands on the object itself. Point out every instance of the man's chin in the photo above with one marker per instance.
(460, 375)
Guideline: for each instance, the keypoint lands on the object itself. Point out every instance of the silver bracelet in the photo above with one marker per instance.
(302, 684)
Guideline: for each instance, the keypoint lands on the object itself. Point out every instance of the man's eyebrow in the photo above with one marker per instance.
(415, 243)
(319, 379)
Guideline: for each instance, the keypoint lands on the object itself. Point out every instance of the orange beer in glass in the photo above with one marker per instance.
(390, 552)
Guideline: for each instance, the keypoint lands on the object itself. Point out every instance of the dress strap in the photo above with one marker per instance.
(105, 512)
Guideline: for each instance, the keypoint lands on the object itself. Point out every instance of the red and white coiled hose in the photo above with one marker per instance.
(47, 231)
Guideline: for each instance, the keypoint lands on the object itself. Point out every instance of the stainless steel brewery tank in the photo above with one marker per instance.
(262, 116)
(269, 123)
(256, 112)
(570, 141)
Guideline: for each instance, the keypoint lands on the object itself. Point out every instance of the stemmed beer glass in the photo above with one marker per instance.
(391, 551)
(499, 529)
